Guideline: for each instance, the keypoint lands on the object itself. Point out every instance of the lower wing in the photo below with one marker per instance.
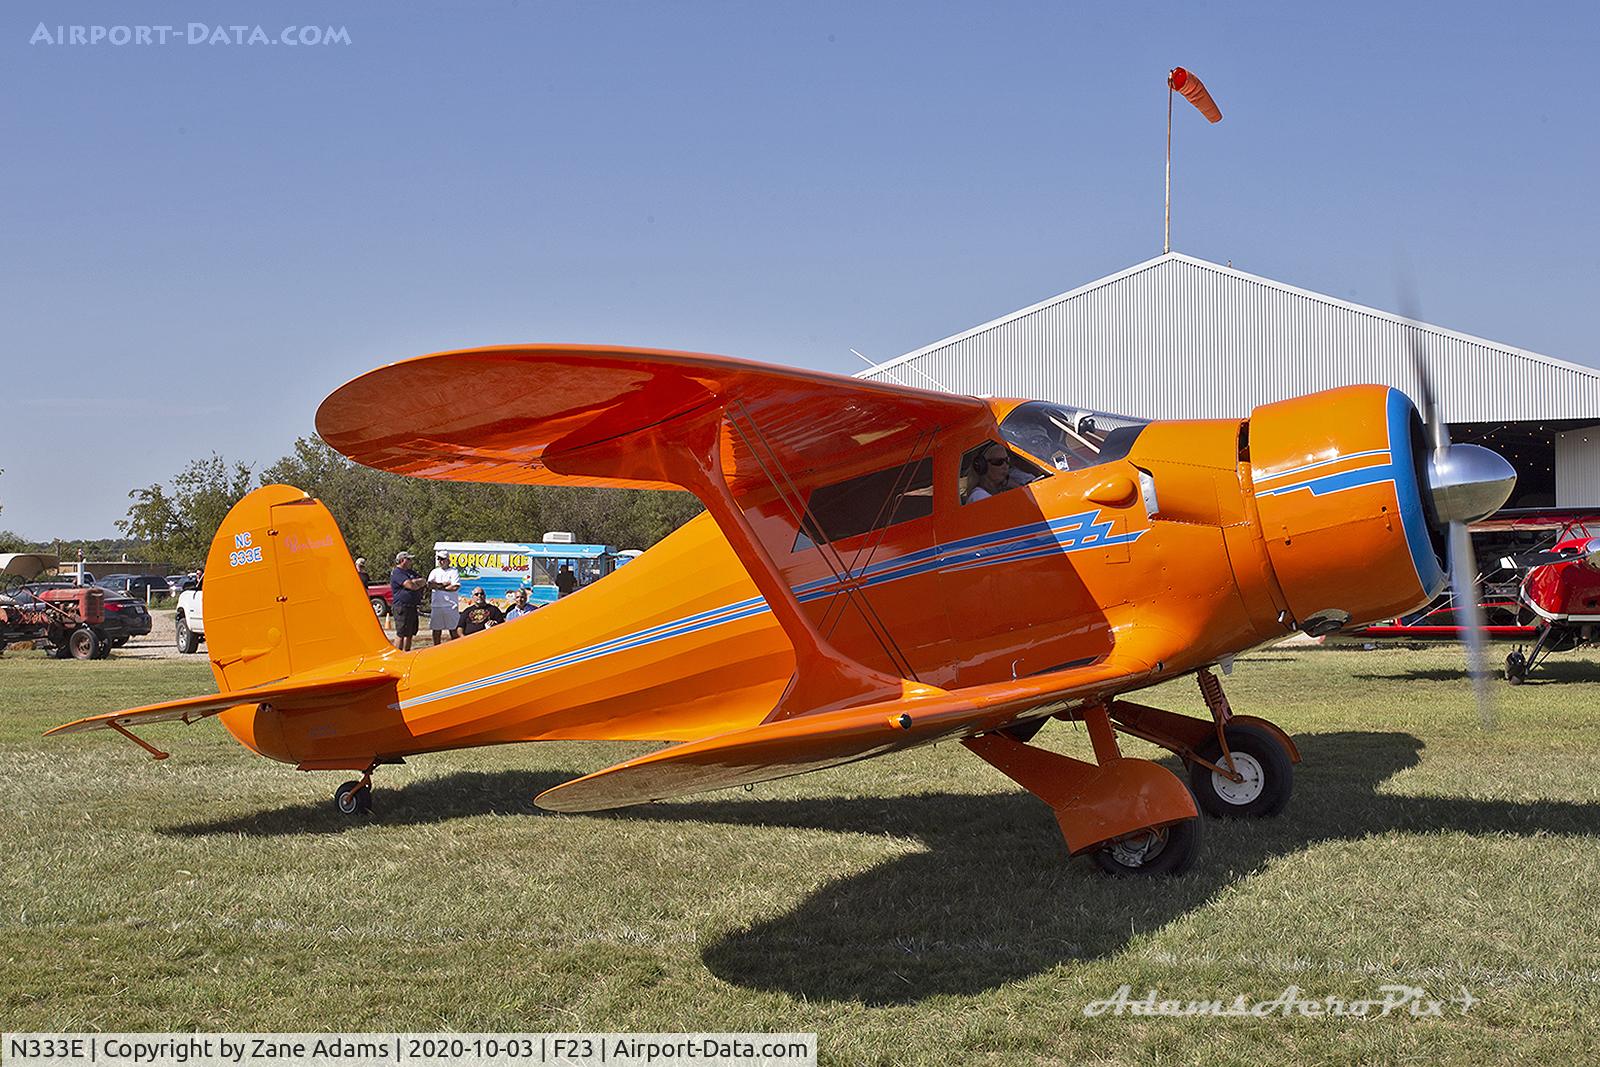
(812, 742)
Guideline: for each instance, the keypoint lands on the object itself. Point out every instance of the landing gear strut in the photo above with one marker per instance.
(1132, 816)
(1239, 766)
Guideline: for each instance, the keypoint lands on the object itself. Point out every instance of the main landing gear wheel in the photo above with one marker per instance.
(1516, 668)
(353, 798)
(1164, 850)
(1267, 770)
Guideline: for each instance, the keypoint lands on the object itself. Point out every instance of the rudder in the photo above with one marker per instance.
(282, 596)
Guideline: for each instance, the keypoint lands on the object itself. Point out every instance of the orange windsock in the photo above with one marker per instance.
(1194, 91)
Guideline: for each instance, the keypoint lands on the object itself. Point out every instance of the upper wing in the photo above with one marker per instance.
(787, 747)
(192, 709)
(589, 415)
(752, 441)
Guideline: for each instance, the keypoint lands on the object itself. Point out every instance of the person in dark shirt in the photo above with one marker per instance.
(479, 614)
(406, 585)
(361, 572)
(566, 581)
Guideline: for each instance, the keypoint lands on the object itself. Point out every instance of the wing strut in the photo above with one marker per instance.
(824, 678)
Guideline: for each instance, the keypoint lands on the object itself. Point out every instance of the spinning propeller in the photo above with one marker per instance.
(1466, 483)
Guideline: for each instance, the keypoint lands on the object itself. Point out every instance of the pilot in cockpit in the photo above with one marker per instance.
(992, 472)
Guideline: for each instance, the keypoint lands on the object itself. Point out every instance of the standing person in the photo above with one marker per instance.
(445, 610)
(361, 572)
(407, 586)
(566, 581)
(519, 605)
(479, 614)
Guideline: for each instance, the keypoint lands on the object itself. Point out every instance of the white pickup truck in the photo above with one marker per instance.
(189, 622)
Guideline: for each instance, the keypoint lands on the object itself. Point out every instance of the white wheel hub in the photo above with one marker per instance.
(1241, 793)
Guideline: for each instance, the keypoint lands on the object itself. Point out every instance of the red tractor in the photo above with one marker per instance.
(68, 622)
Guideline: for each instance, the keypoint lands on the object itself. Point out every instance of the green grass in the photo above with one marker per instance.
(914, 909)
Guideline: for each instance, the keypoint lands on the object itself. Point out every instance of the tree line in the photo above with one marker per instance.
(381, 513)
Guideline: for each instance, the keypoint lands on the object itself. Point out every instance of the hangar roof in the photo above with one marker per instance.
(1178, 337)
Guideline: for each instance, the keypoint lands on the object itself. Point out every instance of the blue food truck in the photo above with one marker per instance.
(502, 566)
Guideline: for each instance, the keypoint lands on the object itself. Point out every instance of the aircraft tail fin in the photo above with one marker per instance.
(281, 594)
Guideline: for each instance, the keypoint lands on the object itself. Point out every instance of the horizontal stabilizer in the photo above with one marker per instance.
(786, 747)
(192, 709)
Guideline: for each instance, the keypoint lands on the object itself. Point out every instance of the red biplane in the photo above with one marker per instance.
(1561, 597)
(880, 567)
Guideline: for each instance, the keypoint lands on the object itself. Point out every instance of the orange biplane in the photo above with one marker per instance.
(850, 592)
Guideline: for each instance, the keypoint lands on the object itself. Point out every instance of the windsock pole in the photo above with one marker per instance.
(1166, 226)
(1194, 91)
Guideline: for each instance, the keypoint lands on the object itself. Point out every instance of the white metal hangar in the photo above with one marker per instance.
(1178, 337)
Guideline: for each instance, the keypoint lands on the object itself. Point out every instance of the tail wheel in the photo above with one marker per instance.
(1516, 668)
(187, 641)
(82, 643)
(353, 798)
(1162, 850)
(1266, 768)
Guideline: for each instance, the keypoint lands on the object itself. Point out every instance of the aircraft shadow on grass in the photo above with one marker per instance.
(993, 898)
(427, 800)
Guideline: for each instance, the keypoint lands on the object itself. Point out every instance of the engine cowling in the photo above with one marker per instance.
(1340, 483)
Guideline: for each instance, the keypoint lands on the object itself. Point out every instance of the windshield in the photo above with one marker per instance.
(1069, 439)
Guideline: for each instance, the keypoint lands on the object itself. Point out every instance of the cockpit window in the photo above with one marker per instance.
(870, 502)
(1070, 439)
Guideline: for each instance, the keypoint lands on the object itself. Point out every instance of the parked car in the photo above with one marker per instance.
(139, 586)
(178, 583)
(125, 617)
(381, 594)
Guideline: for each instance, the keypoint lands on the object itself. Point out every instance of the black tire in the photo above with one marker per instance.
(353, 798)
(1261, 758)
(1167, 850)
(82, 643)
(380, 606)
(1516, 668)
(118, 642)
(187, 641)
(102, 644)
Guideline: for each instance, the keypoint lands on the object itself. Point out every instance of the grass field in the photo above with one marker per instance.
(915, 909)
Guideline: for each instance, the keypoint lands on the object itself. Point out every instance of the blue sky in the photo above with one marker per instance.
(199, 242)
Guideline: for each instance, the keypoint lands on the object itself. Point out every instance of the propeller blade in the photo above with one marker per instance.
(1469, 610)
(1432, 415)
(1466, 483)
